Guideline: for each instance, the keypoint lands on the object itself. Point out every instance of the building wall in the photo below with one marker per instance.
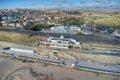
(11, 24)
(22, 50)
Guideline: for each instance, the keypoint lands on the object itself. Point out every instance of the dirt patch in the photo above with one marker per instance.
(35, 75)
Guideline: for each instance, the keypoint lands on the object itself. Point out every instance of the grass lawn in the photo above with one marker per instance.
(112, 22)
(18, 38)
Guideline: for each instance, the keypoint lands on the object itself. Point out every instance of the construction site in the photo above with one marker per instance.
(60, 51)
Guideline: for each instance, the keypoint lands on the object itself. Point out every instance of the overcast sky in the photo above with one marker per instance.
(61, 4)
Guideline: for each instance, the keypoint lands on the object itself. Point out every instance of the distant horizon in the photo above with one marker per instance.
(56, 10)
(61, 4)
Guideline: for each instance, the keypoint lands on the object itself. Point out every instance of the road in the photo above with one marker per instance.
(101, 53)
(82, 64)
(96, 66)
(93, 52)
(79, 38)
(8, 59)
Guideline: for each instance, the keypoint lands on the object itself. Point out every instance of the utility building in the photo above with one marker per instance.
(61, 42)
(18, 50)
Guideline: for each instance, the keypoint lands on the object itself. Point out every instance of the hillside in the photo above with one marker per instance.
(112, 22)
(18, 38)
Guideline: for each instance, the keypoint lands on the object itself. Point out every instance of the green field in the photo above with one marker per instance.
(112, 22)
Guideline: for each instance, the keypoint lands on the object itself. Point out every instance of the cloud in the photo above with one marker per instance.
(63, 2)
(82, 4)
(33, 4)
(97, 0)
(103, 1)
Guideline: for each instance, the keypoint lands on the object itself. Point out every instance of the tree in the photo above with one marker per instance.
(15, 23)
(0, 21)
(91, 22)
(36, 27)
(0, 18)
(76, 21)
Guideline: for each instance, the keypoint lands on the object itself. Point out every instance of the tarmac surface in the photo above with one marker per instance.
(80, 38)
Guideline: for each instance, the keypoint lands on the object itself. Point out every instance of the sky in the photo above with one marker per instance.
(61, 4)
